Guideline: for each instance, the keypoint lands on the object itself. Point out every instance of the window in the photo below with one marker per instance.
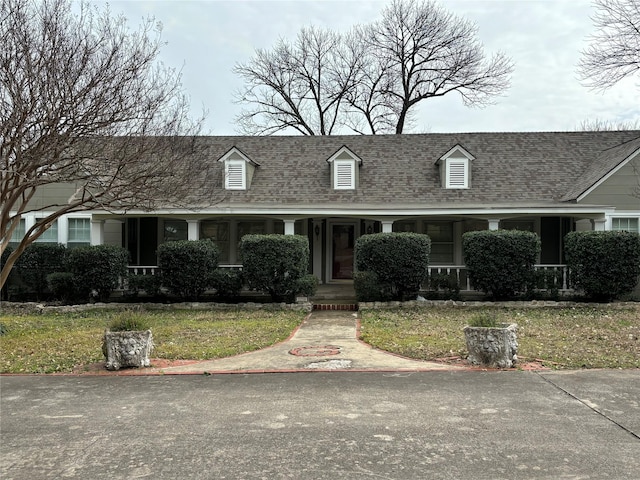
(405, 226)
(625, 224)
(18, 234)
(441, 235)
(218, 233)
(250, 228)
(175, 230)
(50, 235)
(79, 232)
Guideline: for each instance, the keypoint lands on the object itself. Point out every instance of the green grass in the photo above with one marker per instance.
(561, 338)
(60, 342)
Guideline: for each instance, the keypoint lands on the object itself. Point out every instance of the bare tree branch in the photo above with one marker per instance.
(614, 49)
(84, 102)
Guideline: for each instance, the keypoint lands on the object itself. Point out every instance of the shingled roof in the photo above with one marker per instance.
(509, 168)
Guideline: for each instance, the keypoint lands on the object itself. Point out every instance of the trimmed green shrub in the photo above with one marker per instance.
(97, 268)
(3, 258)
(444, 285)
(36, 262)
(186, 266)
(307, 285)
(227, 282)
(62, 286)
(605, 265)
(275, 263)
(501, 262)
(400, 261)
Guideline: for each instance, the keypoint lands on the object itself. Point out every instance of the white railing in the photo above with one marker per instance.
(558, 275)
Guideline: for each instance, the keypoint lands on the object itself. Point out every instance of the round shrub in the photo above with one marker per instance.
(62, 286)
(275, 263)
(501, 262)
(399, 260)
(97, 268)
(605, 265)
(369, 289)
(186, 266)
(307, 285)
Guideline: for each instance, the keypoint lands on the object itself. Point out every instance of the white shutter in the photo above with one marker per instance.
(457, 174)
(344, 175)
(235, 175)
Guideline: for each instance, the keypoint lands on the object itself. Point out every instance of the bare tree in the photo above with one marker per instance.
(429, 52)
(301, 86)
(599, 125)
(84, 103)
(371, 79)
(614, 50)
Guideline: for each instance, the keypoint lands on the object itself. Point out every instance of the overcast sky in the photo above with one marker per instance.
(543, 37)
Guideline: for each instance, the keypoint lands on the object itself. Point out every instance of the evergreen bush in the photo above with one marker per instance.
(605, 265)
(186, 266)
(228, 283)
(97, 268)
(62, 286)
(369, 289)
(38, 261)
(501, 262)
(275, 263)
(399, 260)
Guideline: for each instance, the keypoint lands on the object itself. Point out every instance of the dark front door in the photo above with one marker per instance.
(342, 236)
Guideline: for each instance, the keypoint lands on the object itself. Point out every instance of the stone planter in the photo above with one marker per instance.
(494, 347)
(127, 349)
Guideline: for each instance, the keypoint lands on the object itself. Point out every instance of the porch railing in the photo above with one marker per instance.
(440, 276)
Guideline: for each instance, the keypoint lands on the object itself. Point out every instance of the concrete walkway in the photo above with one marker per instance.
(326, 340)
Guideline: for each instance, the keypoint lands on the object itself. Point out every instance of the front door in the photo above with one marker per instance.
(342, 237)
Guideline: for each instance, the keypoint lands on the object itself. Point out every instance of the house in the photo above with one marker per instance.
(334, 189)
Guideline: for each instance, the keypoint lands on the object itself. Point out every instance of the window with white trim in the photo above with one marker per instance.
(344, 173)
(50, 235)
(18, 234)
(79, 232)
(620, 224)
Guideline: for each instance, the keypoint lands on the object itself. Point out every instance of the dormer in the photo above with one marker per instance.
(238, 170)
(455, 168)
(344, 174)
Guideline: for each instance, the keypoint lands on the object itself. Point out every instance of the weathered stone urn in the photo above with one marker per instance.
(127, 349)
(495, 347)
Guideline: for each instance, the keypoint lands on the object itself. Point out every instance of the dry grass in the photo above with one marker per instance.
(59, 342)
(584, 337)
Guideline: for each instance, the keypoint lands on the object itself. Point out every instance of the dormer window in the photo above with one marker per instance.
(455, 168)
(344, 174)
(238, 170)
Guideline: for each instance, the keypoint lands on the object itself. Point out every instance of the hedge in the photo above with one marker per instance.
(186, 266)
(604, 265)
(400, 262)
(38, 261)
(501, 262)
(275, 263)
(97, 268)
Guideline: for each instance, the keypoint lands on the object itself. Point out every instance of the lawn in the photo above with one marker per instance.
(51, 343)
(583, 337)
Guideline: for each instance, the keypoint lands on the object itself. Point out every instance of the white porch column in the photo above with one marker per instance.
(97, 232)
(317, 249)
(63, 230)
(494, 223)
(289, 227)
(193, 230)
(599, 224)
(387, 226)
